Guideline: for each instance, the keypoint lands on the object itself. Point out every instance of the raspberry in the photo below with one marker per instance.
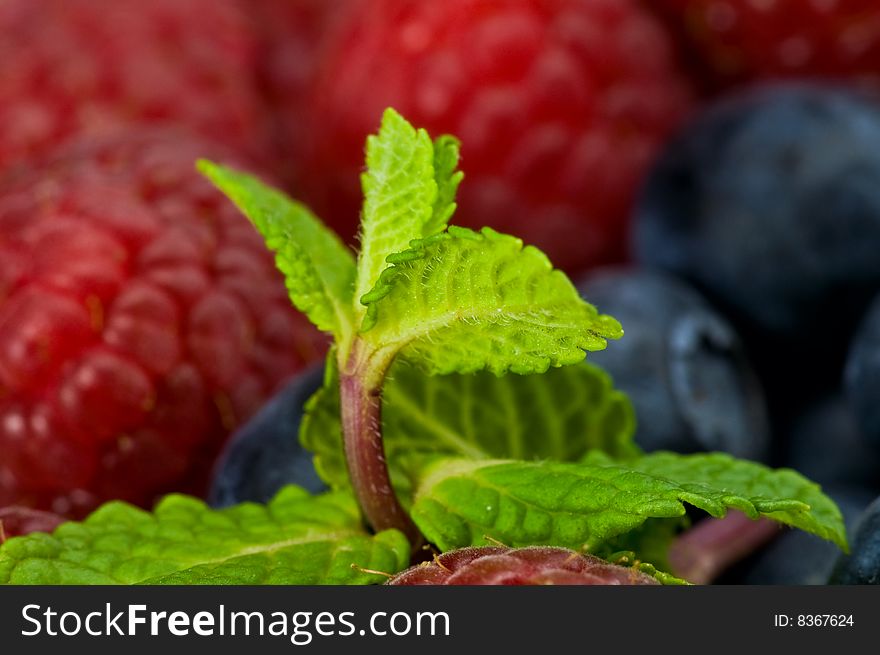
(738, 41)
(560, 105)
(292, 33)
(87, 66)
(141, 320)
(536, 565)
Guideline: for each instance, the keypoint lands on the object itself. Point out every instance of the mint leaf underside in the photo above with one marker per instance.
(319, 270)
(296, 539)
(560, 415)
(464, 301)
(584, 505)
(409, 191)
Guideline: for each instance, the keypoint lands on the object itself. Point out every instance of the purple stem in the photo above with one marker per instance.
(361, 411)
(703, 552)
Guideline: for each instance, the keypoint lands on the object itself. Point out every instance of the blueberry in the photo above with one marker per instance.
(796, 557)
(862, 377)
(770, 203)
(265, 454)
(862, 565)
(826, 444)
(682, 365)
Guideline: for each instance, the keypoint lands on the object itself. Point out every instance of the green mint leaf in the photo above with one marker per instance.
(318, 268)
(560, 415)
(742, 478)
(296, 539)
(584, 505)
(409, 190)
(464, 301)
(320, 431)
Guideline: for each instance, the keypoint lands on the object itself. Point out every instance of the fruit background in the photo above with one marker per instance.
(708, 171)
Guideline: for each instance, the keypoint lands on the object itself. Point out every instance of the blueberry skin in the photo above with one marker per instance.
(827, 445)
(265, 454)
(799, 558)
(862, 566)
(769, 202)
(682, 365)
(862, 376)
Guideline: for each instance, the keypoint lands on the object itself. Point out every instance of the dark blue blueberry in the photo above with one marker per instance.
(862, 565)
(863, 375)
(796, 557)
(826, 444)
(265, 454)
(682, 365)
(770, 203)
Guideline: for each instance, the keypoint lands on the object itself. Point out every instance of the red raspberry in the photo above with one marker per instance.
(743, 40)
(560, 105)
(536, 565)
(75, 66)
(141, 319)
(292, 33)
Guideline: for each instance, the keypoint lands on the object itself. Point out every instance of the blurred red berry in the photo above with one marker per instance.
(736, 41)
(87, 66)
(560, 106)
(292, 33)
(141, 320)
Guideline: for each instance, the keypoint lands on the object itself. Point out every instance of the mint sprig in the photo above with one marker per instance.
(419, 428)
(447, 301)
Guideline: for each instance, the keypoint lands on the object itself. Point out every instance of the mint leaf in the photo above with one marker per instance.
(464, 301)
(296, 539)
(318, 268)
(584, 505)
(320, 431)
(742, 478)
(409, 189)
(560, 415)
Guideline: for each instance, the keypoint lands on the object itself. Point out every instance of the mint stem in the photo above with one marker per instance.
(361, 410)
(702, 553)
